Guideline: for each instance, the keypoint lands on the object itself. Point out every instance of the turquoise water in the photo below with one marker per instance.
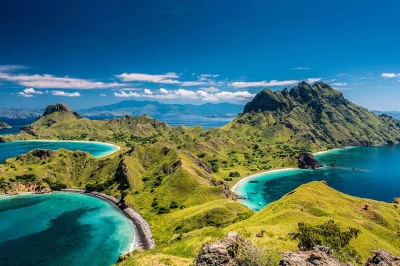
(376, 175)
(62, 229)
(15, 148)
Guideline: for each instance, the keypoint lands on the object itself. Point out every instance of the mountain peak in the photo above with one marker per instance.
(59, 107)
(302, 93)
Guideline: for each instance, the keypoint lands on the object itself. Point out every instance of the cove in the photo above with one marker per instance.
(15, 148)
(376, 175)
(62, 229)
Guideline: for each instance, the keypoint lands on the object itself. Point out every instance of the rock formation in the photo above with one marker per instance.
(382, 258)
(221, 252)
(59, 107)
(307, 161)
(320, 255)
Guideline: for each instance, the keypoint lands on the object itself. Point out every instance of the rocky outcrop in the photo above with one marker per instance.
(382, 258)
(319, 256)
(59, 107)
(307, 161)
(42, 154)
(223, 252)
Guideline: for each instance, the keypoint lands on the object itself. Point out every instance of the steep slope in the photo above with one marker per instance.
(316, 117)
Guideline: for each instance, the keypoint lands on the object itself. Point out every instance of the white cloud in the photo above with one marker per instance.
(312, 80)
(301, 68)
(66, 94)
(390, 75)
(168, 78)
(188, 94)
(163, 91)
(52, 82)
(210, 89)
(147, 92)
(272, 83)
(7, 68)
(29, 92)
(102, 95)
(339, 84)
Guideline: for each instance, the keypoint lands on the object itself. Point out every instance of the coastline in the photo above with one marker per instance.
(233, 189)
(143, 236)
(116, 147)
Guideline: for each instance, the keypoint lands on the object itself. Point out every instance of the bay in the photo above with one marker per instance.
(62, 229)
(368, 172)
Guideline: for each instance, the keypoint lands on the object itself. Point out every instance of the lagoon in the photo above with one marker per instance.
(376, 175)
(15, 148)
(62, 229)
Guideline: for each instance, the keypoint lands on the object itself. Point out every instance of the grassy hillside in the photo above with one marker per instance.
(178, 177)
(314, 203)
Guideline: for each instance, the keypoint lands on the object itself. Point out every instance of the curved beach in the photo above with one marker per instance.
(247, 178)
(115, 147)
(143, 236)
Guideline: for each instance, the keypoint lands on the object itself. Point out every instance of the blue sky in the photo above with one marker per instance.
(89, 53)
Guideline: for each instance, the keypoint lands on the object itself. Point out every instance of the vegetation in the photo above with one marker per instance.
(330, 235)
(178, 177)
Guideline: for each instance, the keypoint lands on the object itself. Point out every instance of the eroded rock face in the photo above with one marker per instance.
(382, 258)
(221, 252)
(307, 161)
(59, 107)
(320, 255)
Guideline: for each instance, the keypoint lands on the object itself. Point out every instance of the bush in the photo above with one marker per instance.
(54, 185)
(234, 174)
(331, 235)
(173, 205)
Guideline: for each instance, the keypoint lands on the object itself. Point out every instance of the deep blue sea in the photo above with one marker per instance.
(15, 148)
(62, 229)
(376, 175)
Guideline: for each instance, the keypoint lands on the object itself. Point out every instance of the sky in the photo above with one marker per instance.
(89, 53)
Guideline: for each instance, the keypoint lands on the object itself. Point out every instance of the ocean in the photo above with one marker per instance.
(368, 172)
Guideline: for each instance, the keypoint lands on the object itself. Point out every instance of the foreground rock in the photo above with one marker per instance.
(320, 255)
(308, 161)
(223, 252)
(383, 258)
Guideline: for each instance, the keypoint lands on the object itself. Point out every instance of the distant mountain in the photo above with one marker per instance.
(154, 108)
(394, 114)
(20, 112)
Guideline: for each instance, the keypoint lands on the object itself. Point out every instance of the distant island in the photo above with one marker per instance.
(4, 125)
(153, 108)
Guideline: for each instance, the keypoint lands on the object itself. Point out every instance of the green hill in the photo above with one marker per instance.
(178, 178)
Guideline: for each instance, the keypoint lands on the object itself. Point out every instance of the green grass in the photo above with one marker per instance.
(164, 172)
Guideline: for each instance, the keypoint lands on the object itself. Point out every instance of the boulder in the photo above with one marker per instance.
(382, 258)
(320, 255)
(307, 161)
(221, 252)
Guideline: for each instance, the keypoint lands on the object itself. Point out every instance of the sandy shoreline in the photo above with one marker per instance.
(116, 147)
(283, 169)
(143, 236)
